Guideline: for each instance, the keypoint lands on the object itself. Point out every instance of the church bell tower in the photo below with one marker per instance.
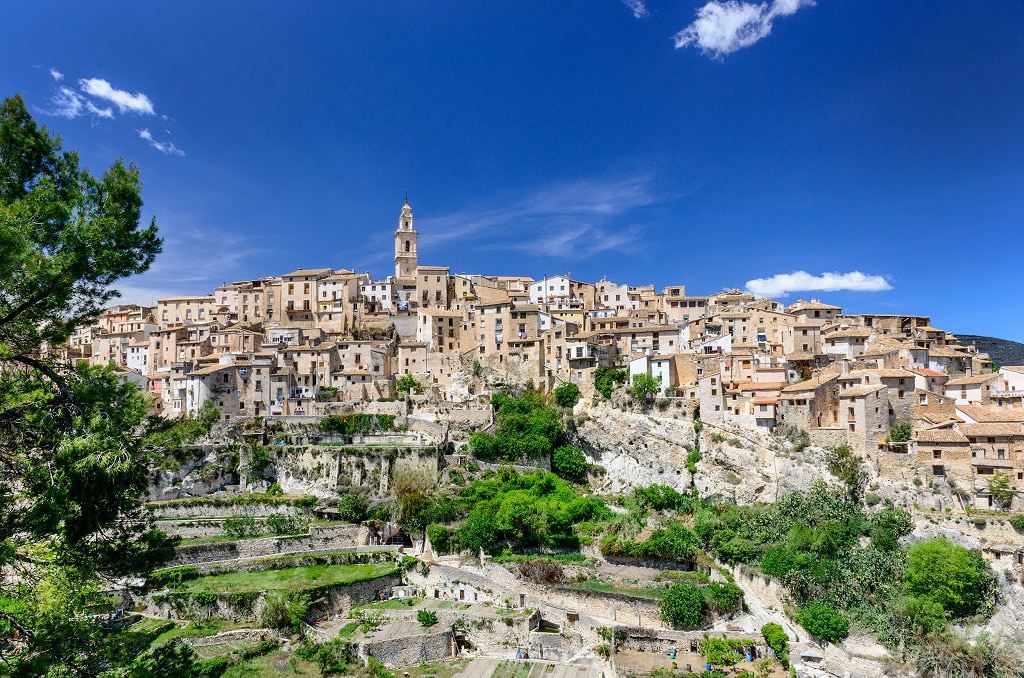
(405, 245)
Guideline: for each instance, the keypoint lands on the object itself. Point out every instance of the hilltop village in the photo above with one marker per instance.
(903, 394)
(472, 476)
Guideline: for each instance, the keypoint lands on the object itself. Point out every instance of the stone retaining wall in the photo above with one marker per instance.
(210, 510)
(260, 548)
(410, 650)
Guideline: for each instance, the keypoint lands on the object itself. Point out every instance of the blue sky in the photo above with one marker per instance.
(703, 143)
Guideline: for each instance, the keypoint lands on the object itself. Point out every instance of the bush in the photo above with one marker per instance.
(241, 526)
(778, 641)
(645, 386)
(662, 498)
(426, 618)
(278, 523)
(607, 378)
(901, 431)
(825, 622)
(541, 571)
(407, 383)
(567, 395)
(723, 598)
(351, 508)
(441, 538)
(281, 613)
(1017, 522)
(569, 462)
(947, 574)
(683, 605)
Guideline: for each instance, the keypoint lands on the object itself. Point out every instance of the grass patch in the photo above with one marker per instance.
(288, 579)
(608, 587)
(393, 604)
(207, 628)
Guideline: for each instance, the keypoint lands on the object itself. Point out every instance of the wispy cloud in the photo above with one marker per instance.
(723, 27)
(165, 147)
(183, 267)
(126, 102)
(56, 75)
(638, 7)
(581, 218)
(67, 103)
(783, 284)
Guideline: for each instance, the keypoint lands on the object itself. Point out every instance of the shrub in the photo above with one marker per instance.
(825, 622)
(407, 383)
(567, 394)
(645, 386)
(441, 538)
(351, 508)
(1017, 522)
(326, 392)
(950, 575)
(778, 641)
(901, 431)
(569, 462)
(426, 618)
(281, 613)
(849, 468)
(607, 378)
(663, 498)
(722, 598)
(278, 523)
(541, 571)
(241, 526)
(604, 650)
(683, 605)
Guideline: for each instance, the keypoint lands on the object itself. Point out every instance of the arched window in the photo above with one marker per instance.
(406, 245)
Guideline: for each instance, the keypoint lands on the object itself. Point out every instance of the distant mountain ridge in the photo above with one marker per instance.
(1002, 351)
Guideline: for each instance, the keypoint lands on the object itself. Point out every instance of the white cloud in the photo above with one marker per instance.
(723, 27)
(638, 8)
(801, 281)
(125, 101)
(67, 103)
(56, 75)
(165, 147)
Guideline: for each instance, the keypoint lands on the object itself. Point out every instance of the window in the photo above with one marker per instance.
(936, 454)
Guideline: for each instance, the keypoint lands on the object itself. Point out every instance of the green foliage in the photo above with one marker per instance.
(426, 618)
(279, 523)
(947, 574)
(675, 542)
(280, 612)
(604, 650)
(526, 429)
(567, 394)
(825, 622)
(407, 383)
(260, 458)
(607, 379)
(663, 498)
(522, 510)
(901, 431)
(684, 605)
(326, 392)
(724, 651)
(778, 641)
(723, 598)
(74, 472)
(1017, 522)
(442, 539)
(351, 508)
(1001, 486)
(888, 525)
(645, 386)
(331, 657)
(241, 527)
(692, 457)
(569, 462)
(358, 423)
(849, 468)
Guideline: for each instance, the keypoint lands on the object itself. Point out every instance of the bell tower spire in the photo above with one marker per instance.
(405, 244)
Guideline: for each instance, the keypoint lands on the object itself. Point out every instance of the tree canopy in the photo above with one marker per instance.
(73, 466)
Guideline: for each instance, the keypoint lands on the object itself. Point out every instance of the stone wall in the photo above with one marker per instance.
(259, 548)
(410, 650)
(248, 607)
(209, 509)
(827, 437)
